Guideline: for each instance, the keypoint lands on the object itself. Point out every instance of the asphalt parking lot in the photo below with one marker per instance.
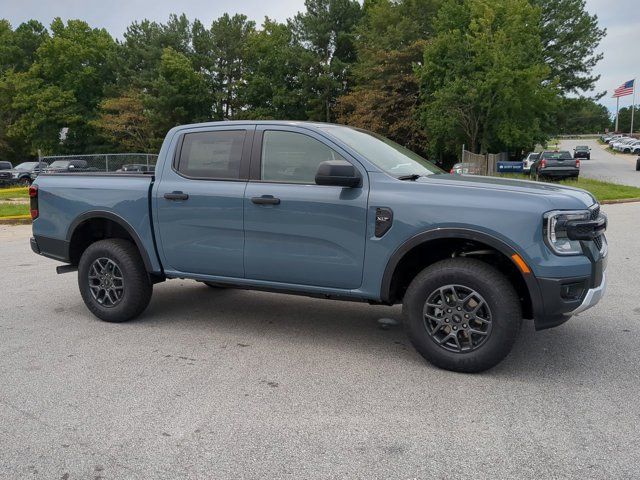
(230, 384)
(604, 164)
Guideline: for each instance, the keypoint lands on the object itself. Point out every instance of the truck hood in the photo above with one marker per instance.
(559, 196)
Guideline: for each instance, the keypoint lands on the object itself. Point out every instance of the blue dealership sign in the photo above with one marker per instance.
(509, 167)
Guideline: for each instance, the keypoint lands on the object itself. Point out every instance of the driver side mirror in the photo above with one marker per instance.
(338, 173)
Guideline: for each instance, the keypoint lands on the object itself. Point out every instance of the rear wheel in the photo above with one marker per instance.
(113, 281)
(462, 315)
(26, 181)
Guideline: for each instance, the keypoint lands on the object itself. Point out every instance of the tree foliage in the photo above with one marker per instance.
(430, 74)
(624, 120)
(581, 115)
(326, 30)
(570, 36)
(385, 96)
(483, 77)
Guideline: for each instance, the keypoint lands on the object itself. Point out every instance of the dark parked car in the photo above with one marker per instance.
(26, 172)
(582, 151)
(68, 166)
(5, 173)
(137, 168)
(555, 164)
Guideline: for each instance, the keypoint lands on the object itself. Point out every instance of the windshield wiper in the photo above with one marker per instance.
(413, 176)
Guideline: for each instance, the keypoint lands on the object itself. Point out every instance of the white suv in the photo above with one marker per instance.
(528, 161)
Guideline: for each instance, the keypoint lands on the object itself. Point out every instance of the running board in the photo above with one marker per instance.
(66, 269)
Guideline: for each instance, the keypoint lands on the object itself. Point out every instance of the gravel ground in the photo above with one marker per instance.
(604, 165)
(233, 384)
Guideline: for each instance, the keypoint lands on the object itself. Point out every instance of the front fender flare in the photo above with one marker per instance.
(464, 233)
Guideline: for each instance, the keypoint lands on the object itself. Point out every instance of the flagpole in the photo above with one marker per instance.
(617, 105)
(633, 105)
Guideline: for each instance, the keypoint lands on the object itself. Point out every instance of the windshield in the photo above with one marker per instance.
(391, 157)
(579, 147)
(26, 165)
(59, 164)
(557, 155)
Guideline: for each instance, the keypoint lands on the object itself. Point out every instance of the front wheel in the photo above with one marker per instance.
(113, 281)
(462, 315)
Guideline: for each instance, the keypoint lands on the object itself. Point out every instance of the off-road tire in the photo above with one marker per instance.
(137, 285)
(499, 295)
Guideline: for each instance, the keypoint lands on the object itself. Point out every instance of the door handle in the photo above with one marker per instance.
(266, 200)
(176, 196)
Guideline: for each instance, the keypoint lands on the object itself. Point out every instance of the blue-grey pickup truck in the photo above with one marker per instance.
(333, 212)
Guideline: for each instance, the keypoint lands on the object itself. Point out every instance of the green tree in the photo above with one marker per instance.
(143, 46)
(61, 88)
(124, 122)
(38, 113)
(18, 47)
(385, 90)
(272, 87)
(229, 36)
(624, 120)
(581, 115)
(326, 29)
(570, 36)
(179, 95)
(484, 82)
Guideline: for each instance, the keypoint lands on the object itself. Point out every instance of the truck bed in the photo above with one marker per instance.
(64, 200)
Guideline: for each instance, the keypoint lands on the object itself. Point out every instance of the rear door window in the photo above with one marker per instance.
(212, 155)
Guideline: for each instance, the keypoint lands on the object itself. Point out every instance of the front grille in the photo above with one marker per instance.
(5, 176)
(595, 214)
(598, 242)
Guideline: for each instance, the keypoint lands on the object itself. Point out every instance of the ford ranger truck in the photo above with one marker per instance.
(333, 212)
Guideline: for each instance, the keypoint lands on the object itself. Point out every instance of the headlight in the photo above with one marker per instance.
(15, 174)
(555, 231)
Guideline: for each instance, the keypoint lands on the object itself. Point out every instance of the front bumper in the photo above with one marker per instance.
(593, 296)
(556, 305)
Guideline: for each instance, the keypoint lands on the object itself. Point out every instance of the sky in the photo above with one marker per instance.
(621, 46)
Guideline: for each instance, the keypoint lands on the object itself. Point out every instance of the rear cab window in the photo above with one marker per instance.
(557, 155)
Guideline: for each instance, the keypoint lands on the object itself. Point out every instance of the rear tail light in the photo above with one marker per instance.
(452, 172)
(33, 200)
(543, 163)
(577, 163)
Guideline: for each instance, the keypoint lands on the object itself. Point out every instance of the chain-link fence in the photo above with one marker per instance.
(107, 162)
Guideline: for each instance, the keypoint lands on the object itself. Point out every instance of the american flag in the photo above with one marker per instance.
(625, 89)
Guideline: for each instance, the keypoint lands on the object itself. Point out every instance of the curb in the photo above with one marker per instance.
(16, 220)
(622, 200)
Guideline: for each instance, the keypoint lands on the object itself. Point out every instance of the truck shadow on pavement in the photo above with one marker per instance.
(254, 318)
